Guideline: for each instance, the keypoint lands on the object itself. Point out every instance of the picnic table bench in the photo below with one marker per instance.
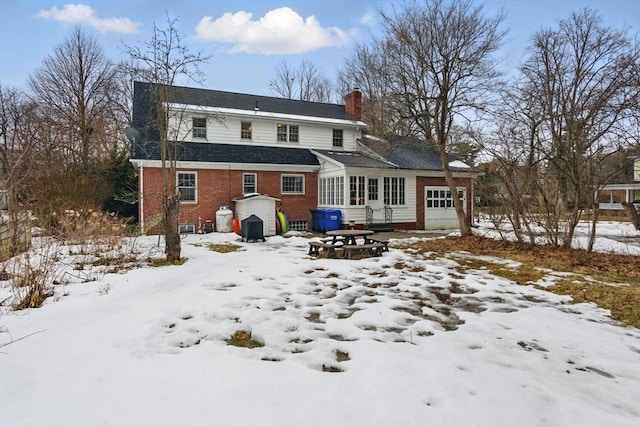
(330, 249)
(372, 248)
(384, 243)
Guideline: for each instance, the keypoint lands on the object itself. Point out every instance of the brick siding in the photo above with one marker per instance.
(215, 188)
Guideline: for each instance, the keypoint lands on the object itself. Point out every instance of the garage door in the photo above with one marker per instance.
(439, 211)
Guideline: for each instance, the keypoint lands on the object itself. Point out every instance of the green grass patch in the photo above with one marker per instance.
(163, 262)
(223, 248)
(243, 339)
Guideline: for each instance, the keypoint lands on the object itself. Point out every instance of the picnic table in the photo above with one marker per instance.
(347, 240)
(348, 236)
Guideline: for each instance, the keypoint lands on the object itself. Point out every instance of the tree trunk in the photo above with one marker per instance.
(594, 222)
(171, 232)
(632, 213)
(463, 220)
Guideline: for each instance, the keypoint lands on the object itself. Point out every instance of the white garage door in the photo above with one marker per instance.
(439, 212)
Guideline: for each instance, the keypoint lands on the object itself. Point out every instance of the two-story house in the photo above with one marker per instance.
(307, 155)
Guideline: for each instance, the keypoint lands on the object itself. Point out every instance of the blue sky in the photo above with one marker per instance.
(241, 35)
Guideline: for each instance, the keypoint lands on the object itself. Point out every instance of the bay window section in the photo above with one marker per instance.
(331, 191)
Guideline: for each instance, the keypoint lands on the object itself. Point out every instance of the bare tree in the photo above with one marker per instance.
(161, 61)
(585, 77)
(439, 70)
(76, 84)
(307, 83)
(15, 166)
(366, 70)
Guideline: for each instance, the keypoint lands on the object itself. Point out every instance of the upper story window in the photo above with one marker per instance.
(199, 127)
(337, 137)
(287, 133)
(245, 130)
(249, 183)
(187, 186)
(292, 184)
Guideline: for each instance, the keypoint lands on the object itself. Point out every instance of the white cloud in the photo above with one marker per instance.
(83, 14)
(279, 31)
(367, 19)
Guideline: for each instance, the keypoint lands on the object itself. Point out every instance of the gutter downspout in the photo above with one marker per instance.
(141, 204)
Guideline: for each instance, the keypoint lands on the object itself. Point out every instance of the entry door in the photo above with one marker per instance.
(374, 195)
(439, 212)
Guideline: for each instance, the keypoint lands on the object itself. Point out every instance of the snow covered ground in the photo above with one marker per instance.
(612, 236)
(414, 341)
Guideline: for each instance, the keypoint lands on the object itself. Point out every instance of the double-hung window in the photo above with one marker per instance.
(245, 130)
(337, 137)
(249, 183)
(187, 186)
(199, 127)
(287, 133)
(292, 184)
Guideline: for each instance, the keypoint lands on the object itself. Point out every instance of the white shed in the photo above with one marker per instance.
(260, 205)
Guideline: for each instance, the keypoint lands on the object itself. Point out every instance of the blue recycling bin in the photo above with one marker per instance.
(329, 219)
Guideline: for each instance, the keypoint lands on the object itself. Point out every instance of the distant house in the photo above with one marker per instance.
(308, 155)
(611, 196)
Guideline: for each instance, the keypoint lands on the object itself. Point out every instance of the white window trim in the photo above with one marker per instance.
(205, 129)
(288, 133)
(255, 176)
(404, 190)
(188, 202)
(250, 130)
(331, 191)
(282, 176)
(333, 142)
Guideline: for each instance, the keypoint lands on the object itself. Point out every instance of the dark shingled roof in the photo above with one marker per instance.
(146, 147)
(357, 160)
(241, 101)
(409, 153)
(230, 153)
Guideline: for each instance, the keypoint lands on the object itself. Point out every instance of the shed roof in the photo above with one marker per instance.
(411, 153)
(356, 159)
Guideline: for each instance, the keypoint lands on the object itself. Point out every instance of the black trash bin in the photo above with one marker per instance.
(315, 223)
(251, 229)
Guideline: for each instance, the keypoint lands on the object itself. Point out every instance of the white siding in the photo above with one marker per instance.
(401, 213)
(226, 130)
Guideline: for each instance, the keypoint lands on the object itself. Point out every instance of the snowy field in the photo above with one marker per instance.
(397, 340)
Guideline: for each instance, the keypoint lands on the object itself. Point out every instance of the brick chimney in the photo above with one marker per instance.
(353, 104)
